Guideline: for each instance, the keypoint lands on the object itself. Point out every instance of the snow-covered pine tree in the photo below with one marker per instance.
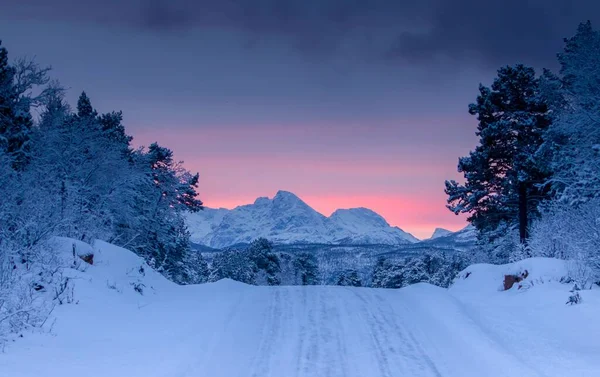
(233, 264)
(573, 140)
(379, 271)
(196, 268)
(113, 129)
(388, 274)
(267, 262)
(307, 270)
(502, 174)
(18, 83)
(85, 109)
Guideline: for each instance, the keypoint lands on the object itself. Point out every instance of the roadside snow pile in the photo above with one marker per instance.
(113, 267)
(531, 318)
(223, 329)
(486, 278)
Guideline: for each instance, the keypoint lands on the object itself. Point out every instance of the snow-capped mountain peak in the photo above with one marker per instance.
(288, 219)
(283, 195)
(440, 232)
(352, 216)
(364, 226)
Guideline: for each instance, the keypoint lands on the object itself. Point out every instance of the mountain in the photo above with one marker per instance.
(440, 232)
(286, 219)
(364, 226)
(462, 239)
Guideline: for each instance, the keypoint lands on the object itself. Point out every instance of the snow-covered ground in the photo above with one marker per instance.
(231, 329)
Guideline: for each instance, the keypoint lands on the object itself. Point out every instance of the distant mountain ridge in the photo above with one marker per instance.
(287, 219)
(440, 232)
(463, 239)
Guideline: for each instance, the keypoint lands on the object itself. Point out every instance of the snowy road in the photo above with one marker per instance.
(228, 329)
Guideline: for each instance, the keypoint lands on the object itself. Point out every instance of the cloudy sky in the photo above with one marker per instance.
(346, 103)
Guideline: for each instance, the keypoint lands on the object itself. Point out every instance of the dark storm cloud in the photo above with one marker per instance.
(490, 32)
(496, 32)
(312, 25)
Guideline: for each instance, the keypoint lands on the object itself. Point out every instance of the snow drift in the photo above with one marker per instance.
(127, 320)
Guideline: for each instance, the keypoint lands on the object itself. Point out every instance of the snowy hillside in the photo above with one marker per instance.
(287, 219)
(231, 329)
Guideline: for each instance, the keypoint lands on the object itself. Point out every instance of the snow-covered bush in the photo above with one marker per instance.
(29, 291)
(349, 278)
(437, 269)
(571, 232)
(498, 247)
(574, 299)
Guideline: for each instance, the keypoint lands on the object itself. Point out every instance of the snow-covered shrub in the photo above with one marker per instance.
(433, 268)
(499, 247)
(575, 298)
(349, 278)
(29, 291)
(571, 232)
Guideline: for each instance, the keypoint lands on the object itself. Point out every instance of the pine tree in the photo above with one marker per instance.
(233, 264)
(267, 263)
(196, 268)
(379, 271)
(114, 130)
(415, 271)
(387, 274)
(307, 269)
(573, 140)
(85, 108)
(15, 117)
(502, 174)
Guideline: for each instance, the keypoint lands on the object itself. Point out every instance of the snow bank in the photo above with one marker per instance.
(119, 268)
(486, 278)
(533, 321)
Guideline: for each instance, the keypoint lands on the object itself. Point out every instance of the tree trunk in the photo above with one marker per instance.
(523, 233)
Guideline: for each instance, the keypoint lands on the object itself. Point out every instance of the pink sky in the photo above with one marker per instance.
(327, 169)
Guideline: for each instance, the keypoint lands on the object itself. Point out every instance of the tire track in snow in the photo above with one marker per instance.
(301, 337)
(397, 349)
(401, 329)
(191, 369)
(341, 352)
(311, 358)
(270, 330)
(377, 336)
(332, 360)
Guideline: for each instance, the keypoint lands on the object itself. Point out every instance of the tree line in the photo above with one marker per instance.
(74, 172)
(260, 264)
(532, 184)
